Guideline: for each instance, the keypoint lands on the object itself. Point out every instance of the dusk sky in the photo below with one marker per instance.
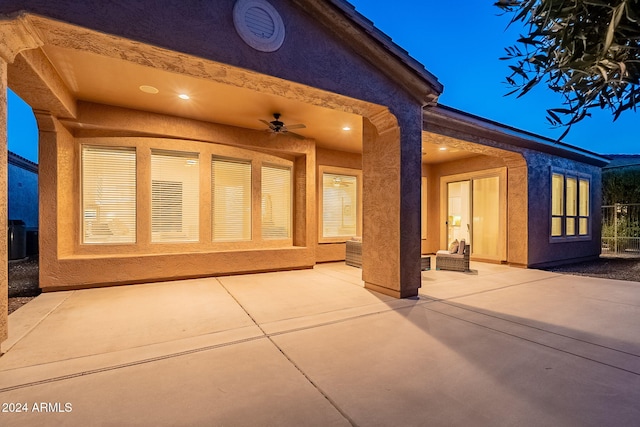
(460, 43)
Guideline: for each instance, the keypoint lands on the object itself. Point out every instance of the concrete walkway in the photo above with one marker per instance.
(496, 347)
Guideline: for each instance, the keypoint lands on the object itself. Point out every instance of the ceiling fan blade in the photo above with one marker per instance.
(298, 126)
(296, 135)
(269, 125)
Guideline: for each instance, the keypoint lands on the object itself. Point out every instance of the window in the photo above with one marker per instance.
(175, 196)
(231, 199)
(339, 205)
(108, 195)
(569, 205)
(276, 202)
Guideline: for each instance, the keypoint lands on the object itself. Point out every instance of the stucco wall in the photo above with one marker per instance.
(67, 263)
(23, 195)
(311, 54)
(543, 250)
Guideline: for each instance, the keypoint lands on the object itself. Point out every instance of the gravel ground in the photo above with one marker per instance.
(23, 282)
(607, 267)
(23, 275)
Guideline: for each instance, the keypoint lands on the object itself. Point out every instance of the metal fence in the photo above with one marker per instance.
(621, 229)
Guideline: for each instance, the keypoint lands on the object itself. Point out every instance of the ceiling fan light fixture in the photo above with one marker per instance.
(276, 126)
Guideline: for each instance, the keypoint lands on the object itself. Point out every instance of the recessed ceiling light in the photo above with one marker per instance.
(149, 89)
(346, 128)
(443, 148)
(183, 96)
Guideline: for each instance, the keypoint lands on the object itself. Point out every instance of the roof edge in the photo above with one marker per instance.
(21, 162)
(361, 35)
(382, 38)
(515, 136)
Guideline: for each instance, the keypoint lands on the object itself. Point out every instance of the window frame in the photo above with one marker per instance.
(334, 170)
(570, 213)
(144, 243)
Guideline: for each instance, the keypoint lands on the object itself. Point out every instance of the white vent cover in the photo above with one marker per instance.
(259, 24)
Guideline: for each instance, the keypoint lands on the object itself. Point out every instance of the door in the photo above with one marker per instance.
(475, 213)
(459, 212)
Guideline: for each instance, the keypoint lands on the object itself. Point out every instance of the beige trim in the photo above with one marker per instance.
(322, 169)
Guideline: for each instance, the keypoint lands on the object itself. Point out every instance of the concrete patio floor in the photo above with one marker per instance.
(499, 346)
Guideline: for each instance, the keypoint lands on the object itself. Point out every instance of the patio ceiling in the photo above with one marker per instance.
(107, 80)
(437, 149)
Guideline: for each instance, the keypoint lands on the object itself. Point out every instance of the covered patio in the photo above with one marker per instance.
(497, 346)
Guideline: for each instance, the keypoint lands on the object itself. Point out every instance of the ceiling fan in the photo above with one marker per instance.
(276, 126)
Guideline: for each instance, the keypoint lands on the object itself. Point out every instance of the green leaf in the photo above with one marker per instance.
(554, 116)
(519, 71)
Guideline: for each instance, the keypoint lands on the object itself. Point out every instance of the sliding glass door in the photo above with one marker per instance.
(475, 212)
(486, 217)
(459, 212)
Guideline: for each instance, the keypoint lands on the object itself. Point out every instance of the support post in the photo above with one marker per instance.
(391, 164)
(4, 258)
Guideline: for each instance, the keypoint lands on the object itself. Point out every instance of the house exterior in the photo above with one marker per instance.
(138, 183)
(22, 190)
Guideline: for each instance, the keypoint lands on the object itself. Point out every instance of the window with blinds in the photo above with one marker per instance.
(231, 200)
(276, 202)
(175, 196)
(557, 204)
(583, 212)
(339, 205)
(108, 194)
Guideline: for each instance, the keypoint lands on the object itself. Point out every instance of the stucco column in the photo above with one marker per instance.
(4, 282)
(391, 165)
(517, 204)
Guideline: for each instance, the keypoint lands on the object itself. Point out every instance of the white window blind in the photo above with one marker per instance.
(175, 196)
(557, 204)
(276, 202)
(231, 199)
(108, 194)
(339, 205)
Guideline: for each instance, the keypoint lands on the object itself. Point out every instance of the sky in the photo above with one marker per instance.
(460, 43)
